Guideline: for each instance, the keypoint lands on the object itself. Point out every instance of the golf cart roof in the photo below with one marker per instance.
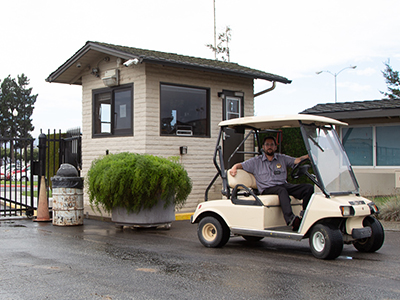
(279, 121)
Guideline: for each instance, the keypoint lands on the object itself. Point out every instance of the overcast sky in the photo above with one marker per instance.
(290, 38)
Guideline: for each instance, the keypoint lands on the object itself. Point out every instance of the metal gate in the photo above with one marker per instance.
(17, 186)
(21, 169)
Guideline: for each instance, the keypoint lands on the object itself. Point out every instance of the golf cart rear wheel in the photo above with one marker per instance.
(325, 241)
(375, 241)
(213, 233)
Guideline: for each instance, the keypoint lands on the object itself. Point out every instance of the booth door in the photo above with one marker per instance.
(232, 108)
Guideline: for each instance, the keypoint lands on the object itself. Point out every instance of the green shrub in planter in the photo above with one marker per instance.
(136, 181)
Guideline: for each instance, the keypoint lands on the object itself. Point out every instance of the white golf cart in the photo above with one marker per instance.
(336, 213)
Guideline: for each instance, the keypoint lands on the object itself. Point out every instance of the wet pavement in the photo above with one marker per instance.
(99, 261)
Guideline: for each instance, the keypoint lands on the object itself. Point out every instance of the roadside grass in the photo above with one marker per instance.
(389, 207)
(36, 193)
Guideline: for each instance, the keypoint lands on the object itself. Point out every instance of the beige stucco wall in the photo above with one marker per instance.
(377, 182)
(146, 80)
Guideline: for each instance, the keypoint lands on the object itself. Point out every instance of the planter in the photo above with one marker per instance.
(153, 217)
(140, 184)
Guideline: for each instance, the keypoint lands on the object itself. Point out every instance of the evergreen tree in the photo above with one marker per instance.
(16, 107)
(393, 82)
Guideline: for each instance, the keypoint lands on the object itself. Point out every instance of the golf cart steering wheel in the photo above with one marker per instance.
(300, 169)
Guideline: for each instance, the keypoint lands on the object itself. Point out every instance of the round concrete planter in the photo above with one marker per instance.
(156, 216)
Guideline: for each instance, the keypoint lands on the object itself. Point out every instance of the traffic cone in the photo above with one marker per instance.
(43, 209)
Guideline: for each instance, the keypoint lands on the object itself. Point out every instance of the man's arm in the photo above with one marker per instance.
(233, 170)
(300, 159)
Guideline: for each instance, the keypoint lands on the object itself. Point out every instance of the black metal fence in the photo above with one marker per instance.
(16, 156)
(21, 170)
(62, 148)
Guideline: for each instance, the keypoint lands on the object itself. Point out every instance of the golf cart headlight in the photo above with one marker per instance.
(347, 211)
(373, 208)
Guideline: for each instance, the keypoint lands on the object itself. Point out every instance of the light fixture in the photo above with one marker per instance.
(335, 75)
(111, 78)
(95, 72)
(183, 150)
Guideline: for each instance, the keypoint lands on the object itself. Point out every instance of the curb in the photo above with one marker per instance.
(183, 216)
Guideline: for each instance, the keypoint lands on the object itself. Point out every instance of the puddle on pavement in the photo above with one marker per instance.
(10, 224)
(153, 262)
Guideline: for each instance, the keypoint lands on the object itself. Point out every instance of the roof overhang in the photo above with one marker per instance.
(88, 56)
(362, 114)
(92, 53)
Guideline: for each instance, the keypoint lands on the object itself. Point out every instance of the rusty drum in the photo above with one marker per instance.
(67, 197)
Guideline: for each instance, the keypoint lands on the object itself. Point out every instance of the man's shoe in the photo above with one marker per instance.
(295, 223)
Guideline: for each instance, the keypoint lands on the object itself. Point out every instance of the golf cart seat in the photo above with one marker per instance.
(247, 179)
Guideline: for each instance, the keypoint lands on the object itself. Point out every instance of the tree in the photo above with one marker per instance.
(393, 82)
(220, 49)
(16, 107)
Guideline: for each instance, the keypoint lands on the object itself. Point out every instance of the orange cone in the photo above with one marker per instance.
(43, 209)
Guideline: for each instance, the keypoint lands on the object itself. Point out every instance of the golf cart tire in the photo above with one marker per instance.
(212, 232)
(326, 242)
(252, 239)
(375, 241)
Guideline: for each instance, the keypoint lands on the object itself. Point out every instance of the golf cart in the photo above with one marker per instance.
(336, 213)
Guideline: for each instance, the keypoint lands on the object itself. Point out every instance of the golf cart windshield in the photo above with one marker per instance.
(331, 163)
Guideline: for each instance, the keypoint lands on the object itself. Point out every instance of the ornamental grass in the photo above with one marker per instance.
(136, 181)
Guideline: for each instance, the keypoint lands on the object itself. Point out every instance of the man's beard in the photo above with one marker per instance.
(270, 152)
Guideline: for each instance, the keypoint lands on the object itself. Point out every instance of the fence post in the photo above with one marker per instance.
(42, 155)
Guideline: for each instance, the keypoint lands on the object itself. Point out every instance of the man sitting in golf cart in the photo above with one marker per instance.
(270, 172)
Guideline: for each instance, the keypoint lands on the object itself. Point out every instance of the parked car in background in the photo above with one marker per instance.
(9, 170)
(23, 173)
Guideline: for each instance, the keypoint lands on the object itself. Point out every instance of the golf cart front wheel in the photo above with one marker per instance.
(326, 242)
(213, 233)
(375, 241)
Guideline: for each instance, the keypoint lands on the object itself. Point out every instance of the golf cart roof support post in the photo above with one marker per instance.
(242, 142)
(220, 169)
(267, 90)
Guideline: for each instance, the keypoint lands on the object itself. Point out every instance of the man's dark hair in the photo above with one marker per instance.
(269, 138)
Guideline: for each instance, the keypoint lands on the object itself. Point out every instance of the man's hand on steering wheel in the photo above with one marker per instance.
(299, 169)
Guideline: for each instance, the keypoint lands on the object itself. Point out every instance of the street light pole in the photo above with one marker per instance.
(335, 75)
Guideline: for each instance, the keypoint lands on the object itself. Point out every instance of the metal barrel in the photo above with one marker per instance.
(67, 206)
(67, 197)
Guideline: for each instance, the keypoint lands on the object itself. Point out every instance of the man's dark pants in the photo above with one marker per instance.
(299, 191)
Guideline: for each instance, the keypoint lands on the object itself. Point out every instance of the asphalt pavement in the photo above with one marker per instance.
(100, 261)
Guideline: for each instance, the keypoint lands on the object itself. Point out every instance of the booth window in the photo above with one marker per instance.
(184, 111)
(372, 145)
(113, 111)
